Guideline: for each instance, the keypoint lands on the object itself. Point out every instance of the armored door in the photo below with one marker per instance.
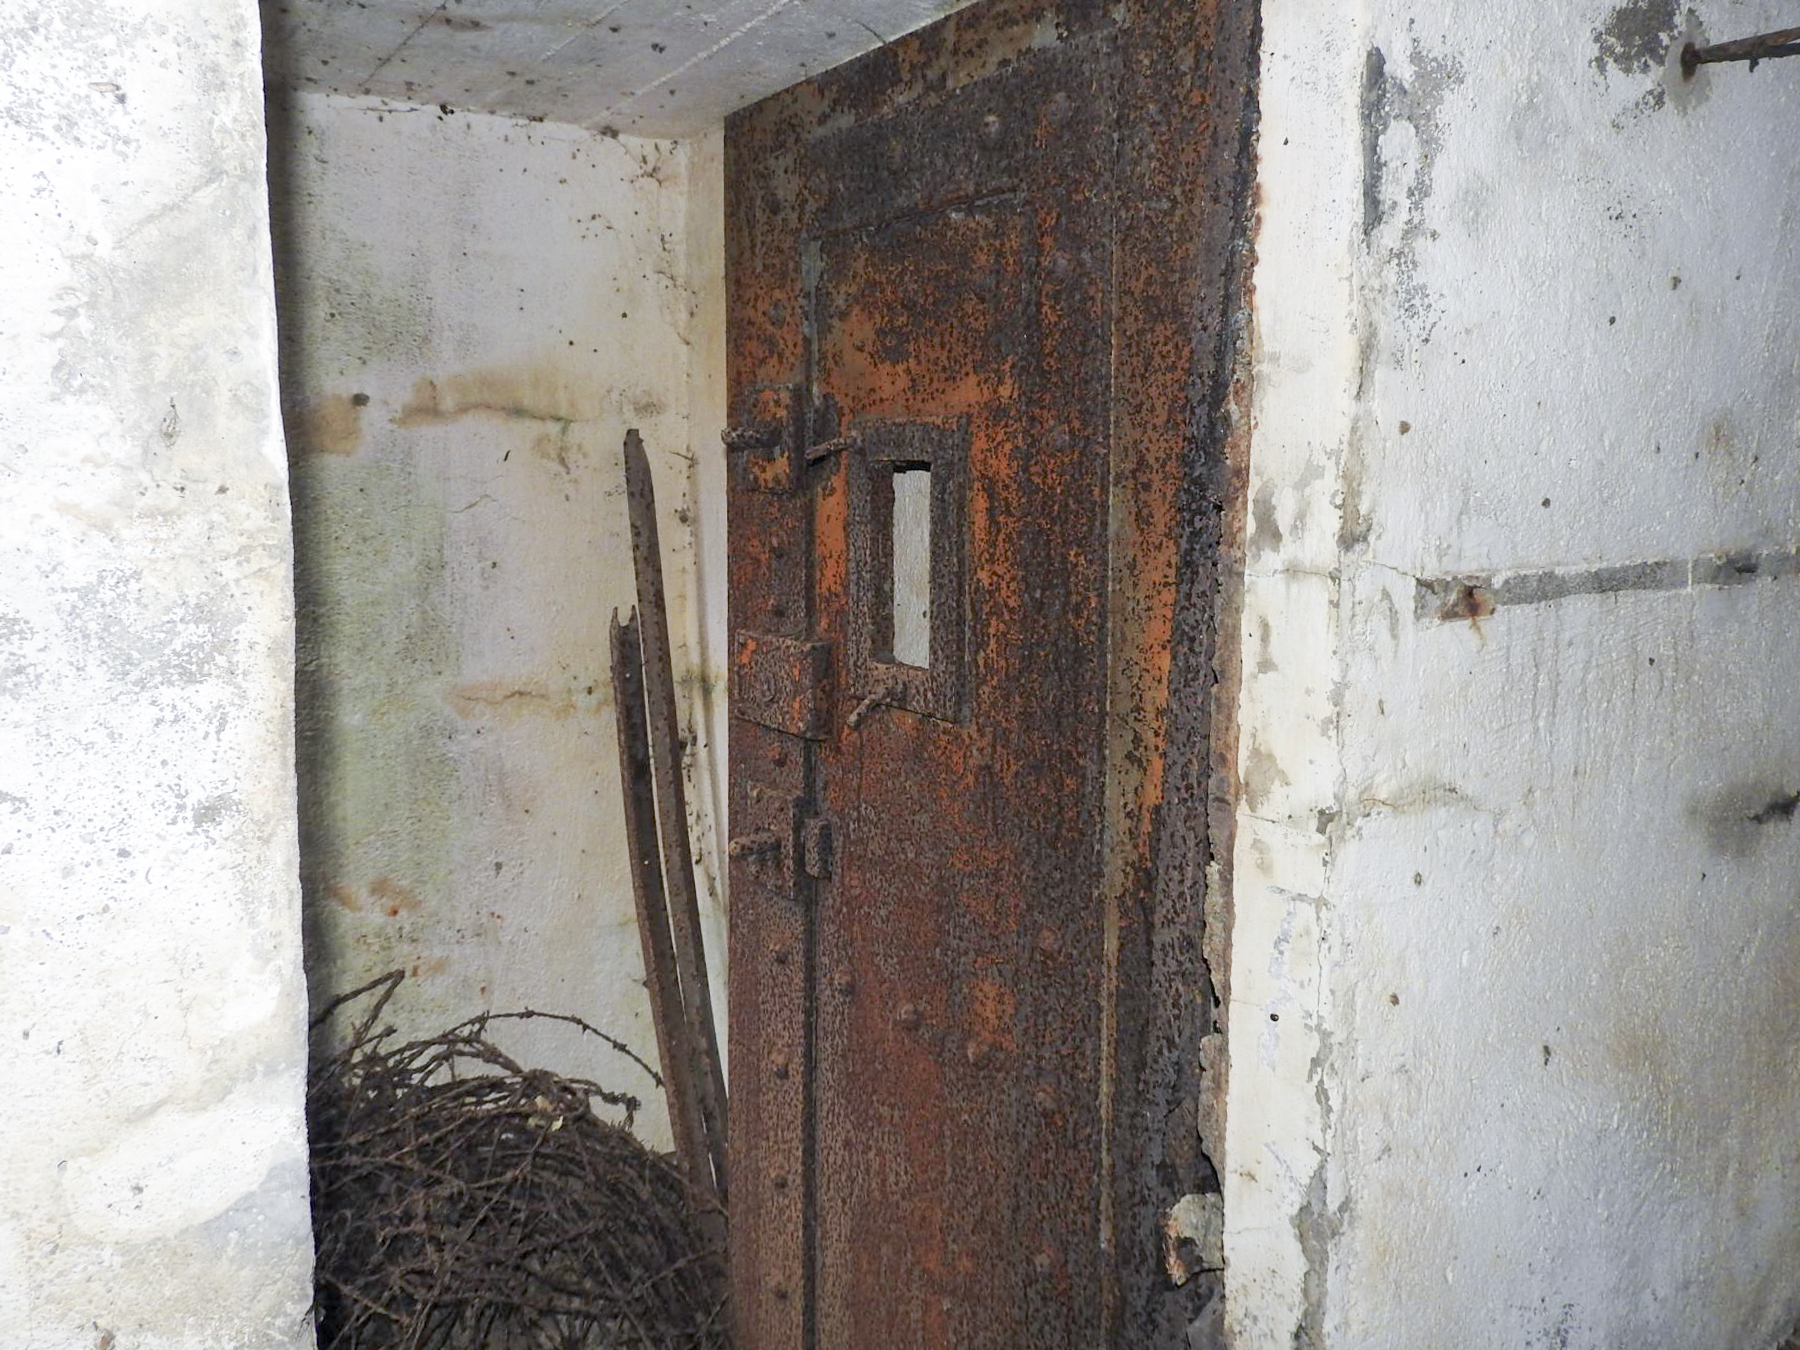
(977, 281)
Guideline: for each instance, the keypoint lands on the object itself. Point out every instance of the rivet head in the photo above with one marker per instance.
(781, 1293)
(845, 984)
(781, 956)
(907, 1017)
(1044, 1262)
(778, 756)
(779, 1066)
(779, 1181)
(978, 1051)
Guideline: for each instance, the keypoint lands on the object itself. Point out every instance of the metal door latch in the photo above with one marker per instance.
(890, 690)
(783, 842)
(780, 683)
(764, 443)
(756, 844)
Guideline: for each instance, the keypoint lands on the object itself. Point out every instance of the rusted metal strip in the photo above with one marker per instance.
(1763, 47)
(772, 926)
(1184, 172)
(673, 1038)
(665, 761)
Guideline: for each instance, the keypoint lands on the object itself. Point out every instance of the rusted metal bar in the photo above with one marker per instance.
(674, 1043)
(837, 445)
(1765, 46)
(888, 691)
(671, 800)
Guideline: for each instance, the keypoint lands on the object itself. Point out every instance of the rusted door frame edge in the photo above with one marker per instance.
(1186, 881)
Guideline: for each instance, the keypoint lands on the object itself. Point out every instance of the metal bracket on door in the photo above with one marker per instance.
(816, 847)
(768, 444)
(781, 683)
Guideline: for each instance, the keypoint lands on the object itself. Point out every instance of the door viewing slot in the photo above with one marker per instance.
(911, 555)
(908, 591)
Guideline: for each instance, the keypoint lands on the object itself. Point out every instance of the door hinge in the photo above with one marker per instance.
(764, 443)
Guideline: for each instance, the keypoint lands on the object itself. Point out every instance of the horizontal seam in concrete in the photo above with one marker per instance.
(1475, 595)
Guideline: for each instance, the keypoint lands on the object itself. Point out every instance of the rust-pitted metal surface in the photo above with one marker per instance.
(969, 1011)
(782, 683)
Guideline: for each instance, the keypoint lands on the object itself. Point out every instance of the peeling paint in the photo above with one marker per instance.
(1403, 137)
(1477, 596)
(1635, 38)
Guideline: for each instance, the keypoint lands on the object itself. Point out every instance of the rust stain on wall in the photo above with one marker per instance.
(512, 698)
(527, 393)
(1467, 602)
(331, 426)
(392, 897)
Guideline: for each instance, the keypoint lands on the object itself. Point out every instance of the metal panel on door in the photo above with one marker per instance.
(937, 1135)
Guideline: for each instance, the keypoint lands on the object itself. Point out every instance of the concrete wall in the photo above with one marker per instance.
(153, 1174)
(1515, 1004)
(474, 309)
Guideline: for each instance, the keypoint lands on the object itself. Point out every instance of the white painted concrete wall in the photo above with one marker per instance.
(475, 309)
(153, 1171)
(1515, 1016)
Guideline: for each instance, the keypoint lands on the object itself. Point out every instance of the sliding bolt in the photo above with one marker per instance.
(757, 844)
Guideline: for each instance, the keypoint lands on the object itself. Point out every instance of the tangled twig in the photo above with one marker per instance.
(463, 1202)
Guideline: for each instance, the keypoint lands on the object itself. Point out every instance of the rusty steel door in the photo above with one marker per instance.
(980, 283)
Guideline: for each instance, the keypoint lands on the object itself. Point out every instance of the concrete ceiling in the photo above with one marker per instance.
(649, 67)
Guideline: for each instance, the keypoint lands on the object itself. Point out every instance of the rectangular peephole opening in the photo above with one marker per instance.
(912, 564)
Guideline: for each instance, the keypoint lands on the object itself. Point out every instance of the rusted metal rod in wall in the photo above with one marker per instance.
(1783, 42)
(662, 980)
(671, 804)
